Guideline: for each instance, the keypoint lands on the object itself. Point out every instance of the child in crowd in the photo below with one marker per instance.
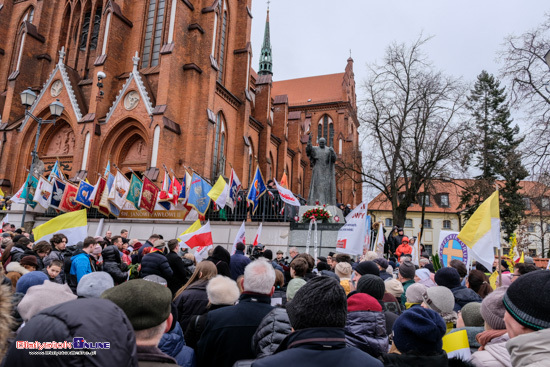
(53, 270)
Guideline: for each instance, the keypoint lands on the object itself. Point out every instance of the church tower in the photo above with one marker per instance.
(266, 64)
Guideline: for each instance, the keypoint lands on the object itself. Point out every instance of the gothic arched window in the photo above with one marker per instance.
(326, 130)
(153, 33)
(28, 16)
(218, 158)
(223, 39)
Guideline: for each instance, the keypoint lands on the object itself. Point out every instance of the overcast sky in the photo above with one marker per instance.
(313, 37)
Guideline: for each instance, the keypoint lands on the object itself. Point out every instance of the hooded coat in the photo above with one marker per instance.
(271, 332)
(94, 319)
(366, 330)
(173, 344)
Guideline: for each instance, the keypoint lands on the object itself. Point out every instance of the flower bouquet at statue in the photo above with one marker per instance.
(320, 214)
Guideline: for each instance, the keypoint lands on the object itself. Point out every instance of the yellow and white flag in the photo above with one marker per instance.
(482, 231)
(457, 346)
(74, 225)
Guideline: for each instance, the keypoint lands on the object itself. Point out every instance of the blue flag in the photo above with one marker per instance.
(84, 193)
(55, 172)
(29, 189)
(57, 193)
(198, 194)
(256, 190)
(107, 169)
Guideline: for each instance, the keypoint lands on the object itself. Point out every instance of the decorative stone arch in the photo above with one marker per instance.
(128, 145)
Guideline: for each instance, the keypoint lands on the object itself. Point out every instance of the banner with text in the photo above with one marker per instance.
(351, 237)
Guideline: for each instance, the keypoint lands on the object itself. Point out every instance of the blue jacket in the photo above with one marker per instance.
(237, 264)
(173, 344)
(317, 347)
(81, 265)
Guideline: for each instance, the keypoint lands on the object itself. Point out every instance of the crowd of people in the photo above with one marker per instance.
(121, 302)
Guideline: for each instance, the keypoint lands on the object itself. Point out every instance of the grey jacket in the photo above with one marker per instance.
(530, 350)
(494, 354)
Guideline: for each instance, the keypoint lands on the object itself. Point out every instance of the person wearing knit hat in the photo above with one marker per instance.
(148, 307)
(527, 319)
(29, 262)
(382, 267)
(343, 270)
(40, 297)
(92, 285)
(374, 286)
(394, 287)
(366, 267)
(440, 299)
(448, 277)
(492, 341)
(406, 277)
(365, 325)
(417, 334)
(470, 315)
(318, 316)
(422, 276)
(414, 295)
(30, 279)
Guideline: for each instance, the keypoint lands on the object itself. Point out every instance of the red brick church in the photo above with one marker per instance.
(179, 90)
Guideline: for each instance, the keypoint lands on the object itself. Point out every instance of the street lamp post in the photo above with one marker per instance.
(56, 109)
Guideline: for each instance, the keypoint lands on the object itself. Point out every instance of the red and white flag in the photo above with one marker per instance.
(257, 238)
(240, 237)
(197, 236)
(286, 195)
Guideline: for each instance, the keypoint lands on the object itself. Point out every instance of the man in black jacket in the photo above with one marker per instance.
(112, 262)
(318, 315)
(179, 267)
(228, 331)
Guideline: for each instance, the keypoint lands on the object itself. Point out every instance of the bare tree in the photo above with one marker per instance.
(412, 119)
(526, 71)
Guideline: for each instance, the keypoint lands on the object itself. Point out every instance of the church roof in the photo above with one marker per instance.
(311, 90)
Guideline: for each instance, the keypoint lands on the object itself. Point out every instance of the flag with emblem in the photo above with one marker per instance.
(56, 172)
(234, 187)
(68, 202)
(198, 194)
(57, 193)
(286, 195)
(43, 193)
(175, 189)
(117, 194)
(149, 193)
(134, 191)
(184, 192)
(256, 190)
(84, 194)
(29, 189)
(99, 189)
(104, 201)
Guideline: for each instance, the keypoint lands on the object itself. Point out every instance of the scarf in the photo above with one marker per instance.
(488, 335)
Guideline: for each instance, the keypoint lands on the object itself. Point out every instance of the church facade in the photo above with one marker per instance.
(178, 91)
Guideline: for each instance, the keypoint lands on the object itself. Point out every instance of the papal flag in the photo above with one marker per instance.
(68, 202)
(134, 191)
(57, 193)
(198, 194)
(43, 193)
(482, 231)
(149, 193)
(256, 190)
(117, 195)
(74, 225)
(234, 187)
(457, 345)
(84, 194)
(219, 192)
(29, 189)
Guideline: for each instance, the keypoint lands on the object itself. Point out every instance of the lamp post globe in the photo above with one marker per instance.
(28, 97)
(56, 108)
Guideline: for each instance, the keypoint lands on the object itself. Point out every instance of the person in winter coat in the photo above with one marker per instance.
(374, 286)
(156, 263)
(449, 277)
(94, 320)
(192, 299)
(441, 301)
(406, 277)
(403, 248)
(179, 267)
(492, 351)
(394, 240)
(238, 261)
(82, 263)
(221, 258)
(173, 343)
(59, 252)
(271, 332)
(53, 270)
(40, 297)
(112, 262)
(383, 266)
(18, 250)
(470, 320)
(221, 292)
(280, 291)
(228, 332)
(366, 325)
(418, 334)
(527, 319)
(318, 316)
(137, 258)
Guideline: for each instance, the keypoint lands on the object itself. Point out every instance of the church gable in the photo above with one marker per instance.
(132, 94)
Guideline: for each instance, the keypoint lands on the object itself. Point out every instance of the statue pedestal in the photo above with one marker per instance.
(332, 209)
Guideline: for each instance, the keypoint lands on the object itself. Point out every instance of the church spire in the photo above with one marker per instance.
(266, 64)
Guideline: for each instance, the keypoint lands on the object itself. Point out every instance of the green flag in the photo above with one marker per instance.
(134, 191)
(28, 190)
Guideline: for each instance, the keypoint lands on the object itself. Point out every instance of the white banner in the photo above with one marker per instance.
(380, 241)
(240, 237)
(351, 237)
(286, 195)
